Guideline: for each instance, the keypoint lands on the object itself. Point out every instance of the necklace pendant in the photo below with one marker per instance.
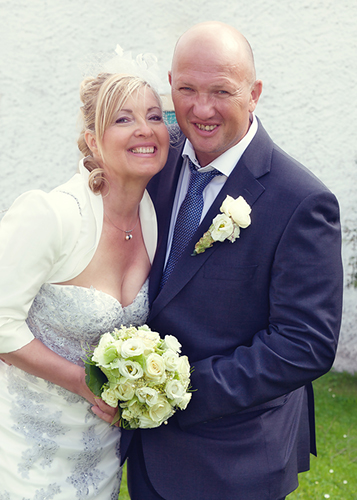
(128, 235)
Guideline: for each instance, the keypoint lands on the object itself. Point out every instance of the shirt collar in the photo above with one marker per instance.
(226, 162)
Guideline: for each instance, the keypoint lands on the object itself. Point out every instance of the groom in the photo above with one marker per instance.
(258, 318)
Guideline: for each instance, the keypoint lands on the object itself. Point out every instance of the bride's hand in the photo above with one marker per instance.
(104, 411)
(99, 407)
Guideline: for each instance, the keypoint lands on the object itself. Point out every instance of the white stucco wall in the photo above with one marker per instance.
(305, 54)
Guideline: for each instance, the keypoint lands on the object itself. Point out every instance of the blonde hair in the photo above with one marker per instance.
(103, 96)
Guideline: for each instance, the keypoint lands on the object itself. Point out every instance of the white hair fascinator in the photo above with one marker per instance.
(144, 66)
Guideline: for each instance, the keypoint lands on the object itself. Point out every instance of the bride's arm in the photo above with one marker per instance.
(37, 359)
(33, 244)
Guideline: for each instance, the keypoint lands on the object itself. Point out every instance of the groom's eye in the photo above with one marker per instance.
(186, 90)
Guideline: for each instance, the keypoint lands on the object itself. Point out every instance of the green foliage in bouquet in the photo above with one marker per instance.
(95, 378)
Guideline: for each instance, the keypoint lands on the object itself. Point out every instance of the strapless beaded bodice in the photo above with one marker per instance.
(69, 319)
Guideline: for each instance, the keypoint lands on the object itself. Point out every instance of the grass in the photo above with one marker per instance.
(333, 474)
(124, 494)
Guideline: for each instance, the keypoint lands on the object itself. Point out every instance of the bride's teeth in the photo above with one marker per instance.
(143, 150)
(208, 128)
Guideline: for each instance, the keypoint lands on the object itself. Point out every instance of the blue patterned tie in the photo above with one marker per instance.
(188, 217)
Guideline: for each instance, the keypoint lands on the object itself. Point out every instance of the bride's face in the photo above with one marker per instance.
(136, 144)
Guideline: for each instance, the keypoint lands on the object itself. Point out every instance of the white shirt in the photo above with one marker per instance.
(225, 163)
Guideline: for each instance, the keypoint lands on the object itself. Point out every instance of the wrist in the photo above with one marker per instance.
(80, 387)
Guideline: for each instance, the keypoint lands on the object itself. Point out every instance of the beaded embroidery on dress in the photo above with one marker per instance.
(52, 446)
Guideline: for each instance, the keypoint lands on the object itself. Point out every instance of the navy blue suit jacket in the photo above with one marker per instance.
(259, 320)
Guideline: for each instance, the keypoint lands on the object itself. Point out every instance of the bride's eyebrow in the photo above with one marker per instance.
(124, 110)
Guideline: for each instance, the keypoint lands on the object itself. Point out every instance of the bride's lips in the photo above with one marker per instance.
(147, 149)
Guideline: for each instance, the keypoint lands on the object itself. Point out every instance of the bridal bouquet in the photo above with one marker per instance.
(142, 374)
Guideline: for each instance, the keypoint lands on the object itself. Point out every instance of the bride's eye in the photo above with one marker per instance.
(156, 118)
(122, 119)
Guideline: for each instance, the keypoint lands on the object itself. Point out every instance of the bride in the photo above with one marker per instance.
(74, 264)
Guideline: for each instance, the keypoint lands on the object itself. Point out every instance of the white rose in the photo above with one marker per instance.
(146, 422)
(131, 369)
(174, 390)
(185, 400)
(132, 347)
(225, 205)
(238, 209)
(150, 339)
(124, 390)
(109, 396)
(183, 368)
(105, 340)
(155, 367)
(135, 408)
(172, 343)
(147, 395)
(161, 411)
(240, 212)
(171, 359)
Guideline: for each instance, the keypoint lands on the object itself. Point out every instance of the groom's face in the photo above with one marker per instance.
(213, 99)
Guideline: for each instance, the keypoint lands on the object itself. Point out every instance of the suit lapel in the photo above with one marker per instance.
(254, 163)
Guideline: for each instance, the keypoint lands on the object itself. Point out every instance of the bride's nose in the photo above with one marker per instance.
(143, 129)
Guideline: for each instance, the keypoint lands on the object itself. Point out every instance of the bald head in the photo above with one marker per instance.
(213, 88)
(222, 41)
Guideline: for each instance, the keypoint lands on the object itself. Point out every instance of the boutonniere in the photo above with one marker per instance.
(227, 225)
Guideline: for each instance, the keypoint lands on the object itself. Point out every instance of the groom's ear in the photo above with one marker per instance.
(170, 80)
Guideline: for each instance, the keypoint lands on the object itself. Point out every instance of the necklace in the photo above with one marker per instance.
(128, 235)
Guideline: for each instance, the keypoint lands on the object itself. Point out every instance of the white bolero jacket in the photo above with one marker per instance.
(51, 238)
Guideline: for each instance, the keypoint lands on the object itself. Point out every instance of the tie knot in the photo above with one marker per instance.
(199, 180)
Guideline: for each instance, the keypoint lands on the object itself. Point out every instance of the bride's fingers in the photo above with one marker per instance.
(107, 417)
(105, 407)
(101, 414)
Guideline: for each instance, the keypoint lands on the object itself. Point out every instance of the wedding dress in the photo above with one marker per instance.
(52, 446)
